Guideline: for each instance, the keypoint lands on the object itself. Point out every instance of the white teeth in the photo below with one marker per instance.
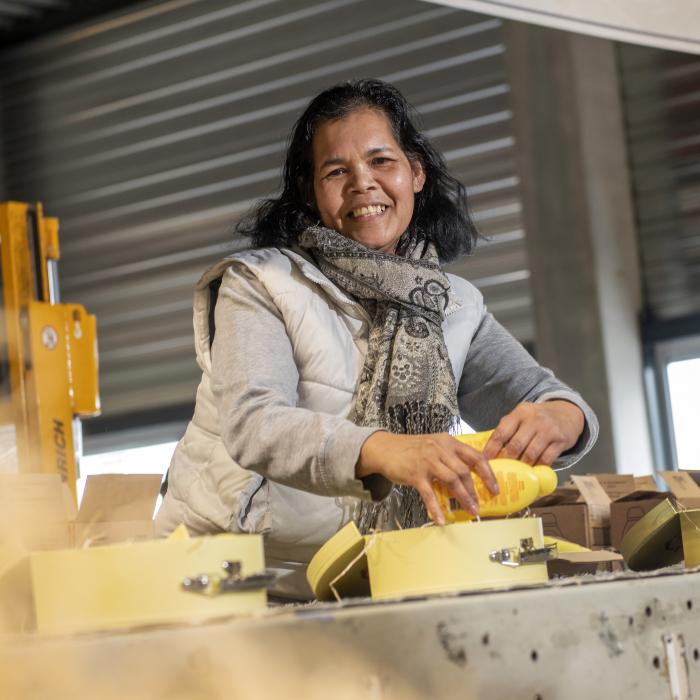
(372, 209)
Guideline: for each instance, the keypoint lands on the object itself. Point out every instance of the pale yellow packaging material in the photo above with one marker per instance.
(125, 585)
(564, 546)
(456, 557)
(179, 533)
(424, 561)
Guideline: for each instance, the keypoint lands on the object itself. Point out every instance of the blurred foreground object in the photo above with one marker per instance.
(48, 360)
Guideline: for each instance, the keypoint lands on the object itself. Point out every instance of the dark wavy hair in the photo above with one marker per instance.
(441, 210)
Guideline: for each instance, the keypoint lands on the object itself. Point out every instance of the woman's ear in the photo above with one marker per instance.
(418, 175)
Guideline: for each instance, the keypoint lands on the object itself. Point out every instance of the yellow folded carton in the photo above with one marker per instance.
(463, 556)
(128, 585)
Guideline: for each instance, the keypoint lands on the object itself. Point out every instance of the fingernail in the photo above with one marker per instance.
(474, 508)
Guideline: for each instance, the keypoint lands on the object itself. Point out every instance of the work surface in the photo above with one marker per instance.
(635, 637)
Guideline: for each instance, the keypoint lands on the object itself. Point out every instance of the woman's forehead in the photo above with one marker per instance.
(367, 130)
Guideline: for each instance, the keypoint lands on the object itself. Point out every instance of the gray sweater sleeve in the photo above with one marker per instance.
(499, 374)
(254, 380)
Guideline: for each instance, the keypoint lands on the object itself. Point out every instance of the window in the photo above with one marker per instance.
(678, 363)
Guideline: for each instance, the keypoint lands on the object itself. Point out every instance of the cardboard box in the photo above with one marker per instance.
(564, 515)
(580, 511)
(69, 591)
(598, 502)
(684, 487)
(53, 579)
(628, 510)
(38, 513)
(117, 508)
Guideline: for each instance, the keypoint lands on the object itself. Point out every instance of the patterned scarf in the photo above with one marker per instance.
(407, 384)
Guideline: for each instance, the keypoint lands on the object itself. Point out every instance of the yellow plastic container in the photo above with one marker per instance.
(519, 485)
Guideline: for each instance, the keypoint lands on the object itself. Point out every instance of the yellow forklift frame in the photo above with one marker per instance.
(48, 351)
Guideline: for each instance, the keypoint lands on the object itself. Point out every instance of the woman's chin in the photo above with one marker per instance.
(373, 240)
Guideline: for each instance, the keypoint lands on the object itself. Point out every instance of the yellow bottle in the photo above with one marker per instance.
(519, 485)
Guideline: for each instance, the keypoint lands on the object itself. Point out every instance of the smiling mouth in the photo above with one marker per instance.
(368, 212)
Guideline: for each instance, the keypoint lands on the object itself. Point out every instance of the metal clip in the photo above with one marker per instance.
(232, 581)
(525, 554)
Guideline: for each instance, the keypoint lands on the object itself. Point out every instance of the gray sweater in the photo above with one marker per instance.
(256, 384)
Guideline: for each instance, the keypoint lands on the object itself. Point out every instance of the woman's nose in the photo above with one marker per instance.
(362, 180)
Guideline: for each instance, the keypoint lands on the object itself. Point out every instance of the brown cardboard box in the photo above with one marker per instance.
(564, 515)
(38, 513)
(684, 487)
(116, 508)
(628, 509)
(645, 483)
(583, 508)
(598, 502)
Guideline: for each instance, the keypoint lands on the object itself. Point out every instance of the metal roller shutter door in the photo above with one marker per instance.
(662, 108)
(148, 133)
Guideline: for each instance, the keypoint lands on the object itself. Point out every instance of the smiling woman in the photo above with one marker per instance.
(339, 358)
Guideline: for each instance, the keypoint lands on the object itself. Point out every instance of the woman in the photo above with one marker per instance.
(337, 356)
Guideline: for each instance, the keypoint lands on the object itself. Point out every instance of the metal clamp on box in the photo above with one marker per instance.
(525, 554)
(213, 584)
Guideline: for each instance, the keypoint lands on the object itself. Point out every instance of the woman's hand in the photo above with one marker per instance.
(536, 433)
(418, 460)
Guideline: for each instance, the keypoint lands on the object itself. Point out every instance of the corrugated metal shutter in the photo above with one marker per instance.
(148, 133)
(662, 107)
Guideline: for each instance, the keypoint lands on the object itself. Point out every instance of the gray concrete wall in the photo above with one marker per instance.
(581, 238)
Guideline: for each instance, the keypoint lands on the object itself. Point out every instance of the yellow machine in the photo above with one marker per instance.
(48, 365)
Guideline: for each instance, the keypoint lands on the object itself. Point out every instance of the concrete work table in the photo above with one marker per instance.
(629, 636)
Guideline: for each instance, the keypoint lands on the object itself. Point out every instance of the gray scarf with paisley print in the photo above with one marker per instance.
(407, 384)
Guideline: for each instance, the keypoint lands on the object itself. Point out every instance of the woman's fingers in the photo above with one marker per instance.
(466, 497)
(532, 454)
(506, 428)
(454, 462)
(478, 462)
(551, 453)
(431, 502)
(520, 440)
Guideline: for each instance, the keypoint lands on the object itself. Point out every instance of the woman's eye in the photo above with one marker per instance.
(336, 172)
(381, 160)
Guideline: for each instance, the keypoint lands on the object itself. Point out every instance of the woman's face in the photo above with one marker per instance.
(364, 184)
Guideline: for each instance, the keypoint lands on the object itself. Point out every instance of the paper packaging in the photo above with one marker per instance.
(626, 511)
(69, 591)
(564, 515)
(580, 512)
(37, 511)
(684, 487)
(117, 508)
